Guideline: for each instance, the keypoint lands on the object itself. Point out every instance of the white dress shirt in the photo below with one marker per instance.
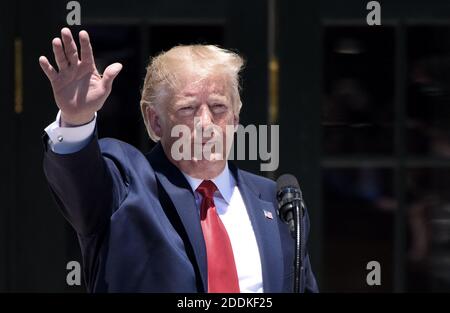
(65, 140)
(228, 200)
(233, 214)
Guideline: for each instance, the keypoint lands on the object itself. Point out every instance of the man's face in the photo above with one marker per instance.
(203, 108)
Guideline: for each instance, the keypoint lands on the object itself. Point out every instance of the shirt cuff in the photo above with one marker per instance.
(65, 140)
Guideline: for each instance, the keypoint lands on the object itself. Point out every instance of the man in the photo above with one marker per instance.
(164, 222)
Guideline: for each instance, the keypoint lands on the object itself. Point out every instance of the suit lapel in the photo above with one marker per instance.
(266, 230)
(266, 233)
(180, 193)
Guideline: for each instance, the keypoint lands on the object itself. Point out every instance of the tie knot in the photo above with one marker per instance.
(207, 189)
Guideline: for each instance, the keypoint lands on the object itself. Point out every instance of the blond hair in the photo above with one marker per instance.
(166, 70)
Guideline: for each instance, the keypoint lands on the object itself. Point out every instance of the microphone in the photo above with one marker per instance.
(290, 211)
(289, 198)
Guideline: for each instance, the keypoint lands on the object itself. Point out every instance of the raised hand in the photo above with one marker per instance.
(78, 88)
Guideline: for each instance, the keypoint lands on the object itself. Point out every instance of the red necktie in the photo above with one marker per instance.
(222, 274)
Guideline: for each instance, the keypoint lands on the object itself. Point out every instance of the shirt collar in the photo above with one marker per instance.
(224, 181)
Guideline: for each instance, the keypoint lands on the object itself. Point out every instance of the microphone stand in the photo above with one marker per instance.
(291, 210)
(299, 246)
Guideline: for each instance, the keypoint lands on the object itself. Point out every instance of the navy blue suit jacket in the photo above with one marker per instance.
(138, 226)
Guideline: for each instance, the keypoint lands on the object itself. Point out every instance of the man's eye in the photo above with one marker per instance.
(186, 110)
(219, 107)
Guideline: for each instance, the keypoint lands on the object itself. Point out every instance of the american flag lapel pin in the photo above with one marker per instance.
(268, 214)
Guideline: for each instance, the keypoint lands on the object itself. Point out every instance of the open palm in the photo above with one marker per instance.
(78, 88)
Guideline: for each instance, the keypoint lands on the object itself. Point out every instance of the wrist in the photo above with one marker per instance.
(75, 121)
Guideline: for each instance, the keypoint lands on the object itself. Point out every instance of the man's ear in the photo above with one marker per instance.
(154, 120)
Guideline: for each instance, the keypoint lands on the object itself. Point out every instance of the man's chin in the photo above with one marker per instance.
(207, 159)
(201, 168)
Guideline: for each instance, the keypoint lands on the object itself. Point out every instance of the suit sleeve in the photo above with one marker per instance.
(87, 186)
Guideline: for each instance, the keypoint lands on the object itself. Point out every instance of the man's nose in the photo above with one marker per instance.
(205, 116)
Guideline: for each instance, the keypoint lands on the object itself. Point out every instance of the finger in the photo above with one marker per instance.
(60, 57)
(70, 47)
(110, 74)
(48, 68)
(86, 48)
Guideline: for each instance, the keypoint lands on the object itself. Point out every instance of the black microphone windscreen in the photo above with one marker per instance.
(287, 180)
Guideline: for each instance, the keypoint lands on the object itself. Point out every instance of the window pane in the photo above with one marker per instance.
(428, 98)
(428, 203)
(359, 211)
(357, 113)
(120, 117)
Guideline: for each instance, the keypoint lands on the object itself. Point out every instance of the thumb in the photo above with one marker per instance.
(110, 74)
